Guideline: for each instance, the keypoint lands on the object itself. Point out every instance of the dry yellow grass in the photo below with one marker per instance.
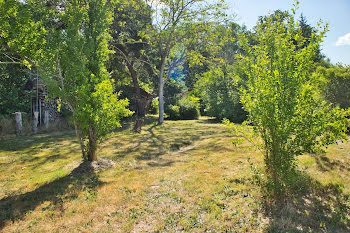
(182, 176)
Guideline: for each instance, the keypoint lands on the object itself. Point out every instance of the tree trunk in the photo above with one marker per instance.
(92, 145)
(140, 115)
(161, 95)
(161, 103)
(140, 107)
(77, 133)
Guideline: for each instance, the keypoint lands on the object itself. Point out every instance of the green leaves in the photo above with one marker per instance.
(22, 36)
(282, 97)
(104, 110)
(74, 68)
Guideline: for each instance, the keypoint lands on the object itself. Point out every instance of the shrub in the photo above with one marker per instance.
(189, 108)
(174, 112)
(283, 101)
(154, 107)
(219, 91)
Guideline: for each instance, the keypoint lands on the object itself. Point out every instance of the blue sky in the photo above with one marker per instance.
(334, 12)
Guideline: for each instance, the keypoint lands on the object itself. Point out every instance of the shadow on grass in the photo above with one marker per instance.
(81, 178)
(314, 208)
(24, 142)
(210, 120)
(153, 145)
(325, 164)
(156, 141)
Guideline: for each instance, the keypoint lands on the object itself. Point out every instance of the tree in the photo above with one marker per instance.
(74, 70)
(219, 87)
(335, 84)
(174, 24)
(13, 95)
(282, 99)
(130, 21)
(306, 29)
(21, 37)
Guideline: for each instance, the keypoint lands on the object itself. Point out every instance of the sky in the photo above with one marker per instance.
(336, 13)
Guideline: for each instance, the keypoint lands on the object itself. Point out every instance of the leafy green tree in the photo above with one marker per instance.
(74, 69)
(282, 99)
(131, 20)
(177, 22)
(13, 95)
(335, 84)
(219, 86)
(21, 37)
(306, 29)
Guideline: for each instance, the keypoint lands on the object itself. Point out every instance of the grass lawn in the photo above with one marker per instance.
(181, 176)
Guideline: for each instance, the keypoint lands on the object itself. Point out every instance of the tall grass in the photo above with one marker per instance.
(8, 125)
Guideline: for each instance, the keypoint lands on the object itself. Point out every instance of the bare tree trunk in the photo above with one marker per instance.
(140, 115)
(161, 103)
(162, 82)
(140, 107)
(161, 93)
(77, 133)
(92, 145)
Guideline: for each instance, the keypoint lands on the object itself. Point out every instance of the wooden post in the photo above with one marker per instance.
(35, 122)
(18, 117)
(46, 119)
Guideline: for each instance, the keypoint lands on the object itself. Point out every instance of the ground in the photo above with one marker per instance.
(183, 176)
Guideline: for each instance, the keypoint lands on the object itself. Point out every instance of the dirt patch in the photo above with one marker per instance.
(95, 166)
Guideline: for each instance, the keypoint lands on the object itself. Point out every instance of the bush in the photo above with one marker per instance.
(174, 90)
(219, 91)
(283, 101)
(186, 109)
(154, 107)
(174, 112)
(189, 108)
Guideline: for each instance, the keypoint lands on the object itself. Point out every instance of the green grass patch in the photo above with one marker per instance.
(181, 176)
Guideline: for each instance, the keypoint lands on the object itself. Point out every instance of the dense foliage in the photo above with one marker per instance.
(84, 84)
(219, 91)
(131, 20)
(282, 98)
(186, 109)
(218, 84)
(13, 96)
(335, 84)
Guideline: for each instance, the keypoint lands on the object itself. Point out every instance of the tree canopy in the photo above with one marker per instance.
(282, 98)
